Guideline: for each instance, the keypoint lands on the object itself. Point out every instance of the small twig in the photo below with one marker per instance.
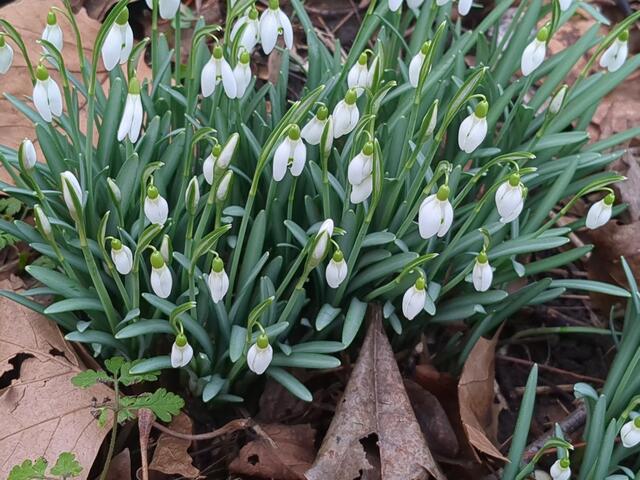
(548, 368)
(146, 419)
(232, 426)
(569, 425)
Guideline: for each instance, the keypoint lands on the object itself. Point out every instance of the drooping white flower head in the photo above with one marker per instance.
(564, 5)
(260, 355)
(192, 196)
(218, 280)
(614, 57)
(359, 77)
(42, 222)
(181, 352)
(394, 5)
(441, 3)
(242, 74)
(533, 55)
(473, 129)
(71, 192)
(415, 66)
(336, 270)
(166, 248)
(482, 274)
(114, 190)
(161, 280)
(541, 475)
(464, 7)
(346, 114)
(414, 299)
(52, 32)
(118, 43)
(321, 243)
(291, 153)
(168, 8)
(561, 469)
(250, 32)
(360, 174)
(27, 155)
(313, 130)
(156, 208)
(131, 121)
(220, 158)
(46, 95)
(630, 433)
(223, 186)
(121, 256)
(558, 100)
(436, 214)
(6, 55)
(600, 212)
(274, 22)
(510, 198)
(217, 70)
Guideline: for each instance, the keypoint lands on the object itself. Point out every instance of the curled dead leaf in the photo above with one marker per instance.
(171, 455)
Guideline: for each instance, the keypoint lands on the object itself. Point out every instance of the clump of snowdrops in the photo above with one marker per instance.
(204, 221)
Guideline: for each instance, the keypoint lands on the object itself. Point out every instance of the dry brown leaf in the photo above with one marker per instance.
(120, 466)
(374, 403)
(286, 457)
(476, 394)
(42, 413)
(171, 456)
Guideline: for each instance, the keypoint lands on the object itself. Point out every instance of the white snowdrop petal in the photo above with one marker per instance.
(464, 6)
(361, 191)
(565, 4)
(446, 217)
(287, 30)
(268, 31)
(414, 69)
(6, 58)
(414, 4)
(533, 56)
(482, 276)
(630, 435)
(208, 78)
(335, 273)
(394, 5)
(258, 359)
(127, 44)
(41, 101)
(111, 48)
(359, 168)
(559, 473)
(472, 132)
(181, 356)
(228, 79)
(136, 118)
(55, 97)
(281, 160)
(122, 259)
(126, 119)
(341, 119)
(218, 285)
(161, 281)
(299, 158)
(156, 210)
(429, 217)
(169, 8)
(413, 302)
(598, 215)
(312, 131)
(354, 116)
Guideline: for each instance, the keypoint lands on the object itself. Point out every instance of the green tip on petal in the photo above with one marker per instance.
(609, 199)
(3, 42)
(565, 463)
(362, 60)
(443, 193)
(217, 150)
(181, 340)
(134, 86)
(51, 18)
(425, 47)
(123, 17)
(543, 34)
(253, 13)
(482, 109)
(245, 58)
(420, 283)
(351, 96)
(323, 113)
(636, 422)
(217, 52)
(263, 341)
(217, 265)
(274, 4)
(116, 244)
(156, 260)
(482, 257)
(152, 192)
(514, 179)
(41, 73)
(368, 149)
(294, 132)
(338, 256)
(624, 35)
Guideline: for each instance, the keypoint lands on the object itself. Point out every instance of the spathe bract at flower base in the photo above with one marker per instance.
(240, 228)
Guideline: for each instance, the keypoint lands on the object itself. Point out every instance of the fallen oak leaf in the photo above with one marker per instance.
(43, 413)
(171, 454)
(374, 403)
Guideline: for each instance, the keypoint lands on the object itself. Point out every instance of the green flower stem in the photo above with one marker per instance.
(114, 431)
(292, 196)
(155, 61)
(178, 47)
(291, 273)
(326, 203)
(17, 38)
(206, 213)
(68, 13)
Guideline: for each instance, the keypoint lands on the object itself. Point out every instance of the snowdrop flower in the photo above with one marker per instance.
(220, 158)
(46, 95)
(561, 469)
(71, 192)
(166, 248)
(250, 33)
(558, 100)
(630, 433)
(533, 55)
(613, 58)
(260, 355)
(312, 132)
(223, 186)
(242, 74)
(156, 208)
(27, 155)
(482, 274)
(600, 212)
(161, 281)
(394, 5)
(168, 8)
(565, 4)
(346, 114)
(414, 299)
(336, 271)
(52, 32)
(218, 280)
(131, 121)
(473, 129)
(209, 165)
(192, 196)
(290, 153)
(441, 3)
(436, 214)
(510, 199)
(215, 70)
(181, 352)
(119, 42)
(114, 190)
(464, 7)
(6, 55)
(415, 67)
(42, 222)
(360, 174)
(274, 22)
(321, 243)
(121, 256)
(359, 76)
